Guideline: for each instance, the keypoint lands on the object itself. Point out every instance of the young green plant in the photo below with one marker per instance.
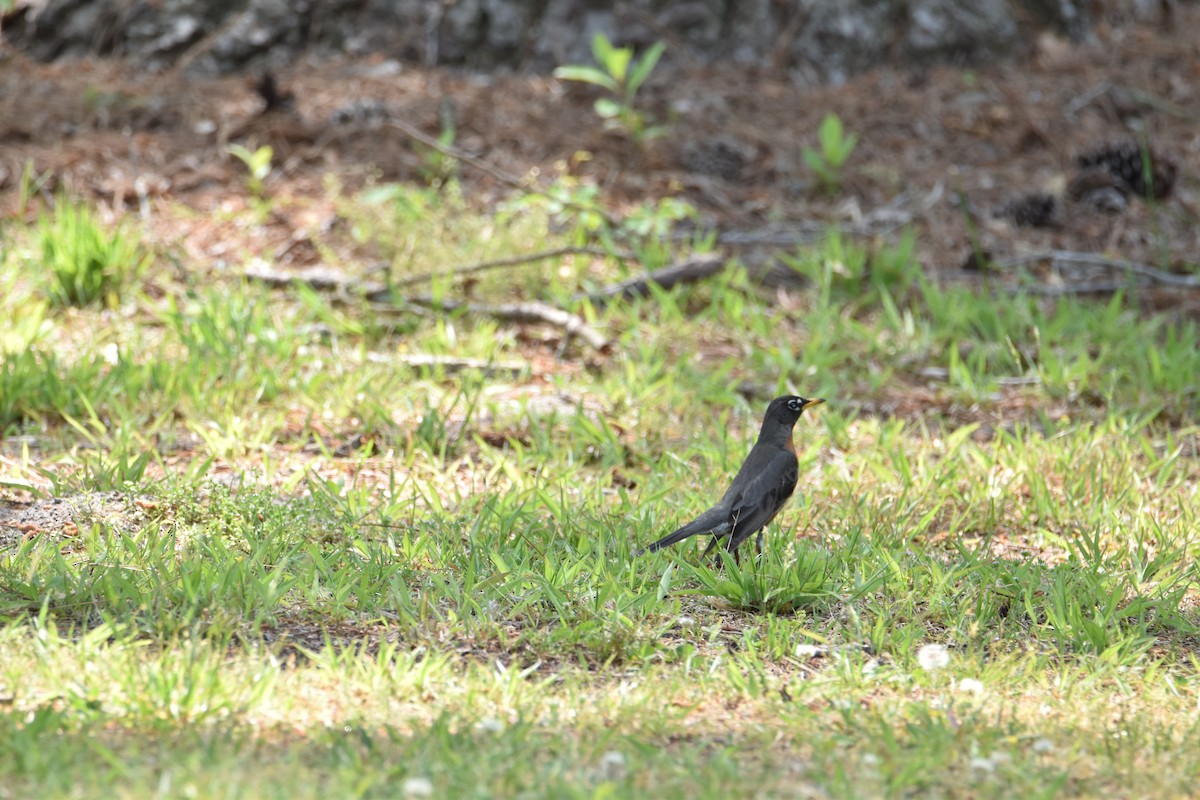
(258, 165)
(622, 77)
(836, 148)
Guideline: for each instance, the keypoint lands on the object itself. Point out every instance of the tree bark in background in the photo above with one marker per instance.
(819, 41)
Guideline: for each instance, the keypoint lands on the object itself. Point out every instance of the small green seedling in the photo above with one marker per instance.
(622, 77)
(258, 163)
(836, 147)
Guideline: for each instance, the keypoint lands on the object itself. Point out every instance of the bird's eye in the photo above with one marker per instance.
(795, 405)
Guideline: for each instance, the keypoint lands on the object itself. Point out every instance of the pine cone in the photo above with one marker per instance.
(720, 158)
(1034, 210)
(1126, 162)
(1095, 187)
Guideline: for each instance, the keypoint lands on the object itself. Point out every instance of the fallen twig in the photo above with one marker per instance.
(902, 210)
(1072, 108)
(449, 363)
(802, 233)
(1152, 274)
(514, 261)
(322, 278)
(684, 272)
(1070, 288)
(1139, 96)
(453, 152)
(531, 311)
(1163, 106)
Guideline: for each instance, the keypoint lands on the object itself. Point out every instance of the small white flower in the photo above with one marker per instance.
(808, 651)
(932, 657)
(489, 725)
(685, 622)
(970, 686)
(1043, 746)
(612, 765)
(983, 764)
(417, 787)
(870, 760)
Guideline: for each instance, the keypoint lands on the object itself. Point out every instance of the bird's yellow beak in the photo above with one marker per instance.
(815, 401)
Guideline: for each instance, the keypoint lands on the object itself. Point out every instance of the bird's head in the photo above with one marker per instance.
(787, 409)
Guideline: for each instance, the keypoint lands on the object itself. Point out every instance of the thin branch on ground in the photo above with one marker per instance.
(529, 311)
(1163, 106)
(458, 155)
(1069, 289)
(514, 261)
(904, 209)
(1087, 98)
(694, 269)
(1139, 96)
(450, 363)
(1152, 274)
(326, 279)
(803, 233)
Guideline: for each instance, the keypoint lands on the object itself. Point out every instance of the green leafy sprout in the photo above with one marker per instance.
(258, 164)
(836, 148)
(622, 77)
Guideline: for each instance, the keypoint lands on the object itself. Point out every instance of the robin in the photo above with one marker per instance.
(759, 490)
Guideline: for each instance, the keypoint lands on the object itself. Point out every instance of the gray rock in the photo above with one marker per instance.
(839, 40)
(819, 40)
(958, 30)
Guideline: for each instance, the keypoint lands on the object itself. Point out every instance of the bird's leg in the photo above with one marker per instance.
(710, 547)
(758, 543)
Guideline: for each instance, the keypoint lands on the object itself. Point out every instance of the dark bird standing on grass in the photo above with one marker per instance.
(759, 490)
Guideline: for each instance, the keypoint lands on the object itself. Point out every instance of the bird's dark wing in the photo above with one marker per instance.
(763, 496)
(714, 521)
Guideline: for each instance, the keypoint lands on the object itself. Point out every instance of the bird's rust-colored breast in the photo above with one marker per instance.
(790, 445)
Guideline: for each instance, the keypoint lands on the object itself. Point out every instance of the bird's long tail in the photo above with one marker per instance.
(715, 521)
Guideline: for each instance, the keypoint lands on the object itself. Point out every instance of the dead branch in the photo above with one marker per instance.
(514, 261)
(902, 210)
(450, 363)
(324, 279)
(531, 311)
(1152, 274)
(684, 272)
(1068, 289)
(1072, 108)
(458, 155)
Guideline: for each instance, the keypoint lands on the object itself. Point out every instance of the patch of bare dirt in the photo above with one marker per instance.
(62, 517)
(985, 160)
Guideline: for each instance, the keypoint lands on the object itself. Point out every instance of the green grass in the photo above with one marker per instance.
(83, 262)
(338, 575)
